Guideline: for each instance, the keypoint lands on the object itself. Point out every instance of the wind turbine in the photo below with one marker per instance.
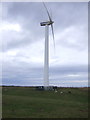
(46, 54)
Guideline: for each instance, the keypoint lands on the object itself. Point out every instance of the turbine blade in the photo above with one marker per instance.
(47, 11)
(53, 35)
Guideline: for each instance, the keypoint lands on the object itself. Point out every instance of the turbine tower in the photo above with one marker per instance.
(46, 54)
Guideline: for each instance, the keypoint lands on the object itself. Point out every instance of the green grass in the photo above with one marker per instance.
(26, 102)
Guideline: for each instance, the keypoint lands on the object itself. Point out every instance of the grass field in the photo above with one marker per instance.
(26, 102)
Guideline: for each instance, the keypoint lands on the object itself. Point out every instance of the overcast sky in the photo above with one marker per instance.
(23, 43)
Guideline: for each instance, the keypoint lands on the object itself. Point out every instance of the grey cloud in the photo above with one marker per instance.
(25, 75)
(64, 14)
(70, 69)
(71, 13)
(74, 37)
(15, 41)
(29, 15)
(24, 70)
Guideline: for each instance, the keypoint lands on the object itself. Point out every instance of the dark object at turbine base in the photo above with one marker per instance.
(42, 88)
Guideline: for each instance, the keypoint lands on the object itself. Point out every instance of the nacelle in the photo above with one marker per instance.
(46, 23)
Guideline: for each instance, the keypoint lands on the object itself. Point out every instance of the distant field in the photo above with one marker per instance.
(26, 102)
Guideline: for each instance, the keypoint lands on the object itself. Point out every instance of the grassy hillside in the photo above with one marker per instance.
(26, 102)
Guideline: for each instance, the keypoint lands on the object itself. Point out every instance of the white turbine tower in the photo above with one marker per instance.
(46, 57)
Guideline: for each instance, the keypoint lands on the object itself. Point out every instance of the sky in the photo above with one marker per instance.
(22, 43)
